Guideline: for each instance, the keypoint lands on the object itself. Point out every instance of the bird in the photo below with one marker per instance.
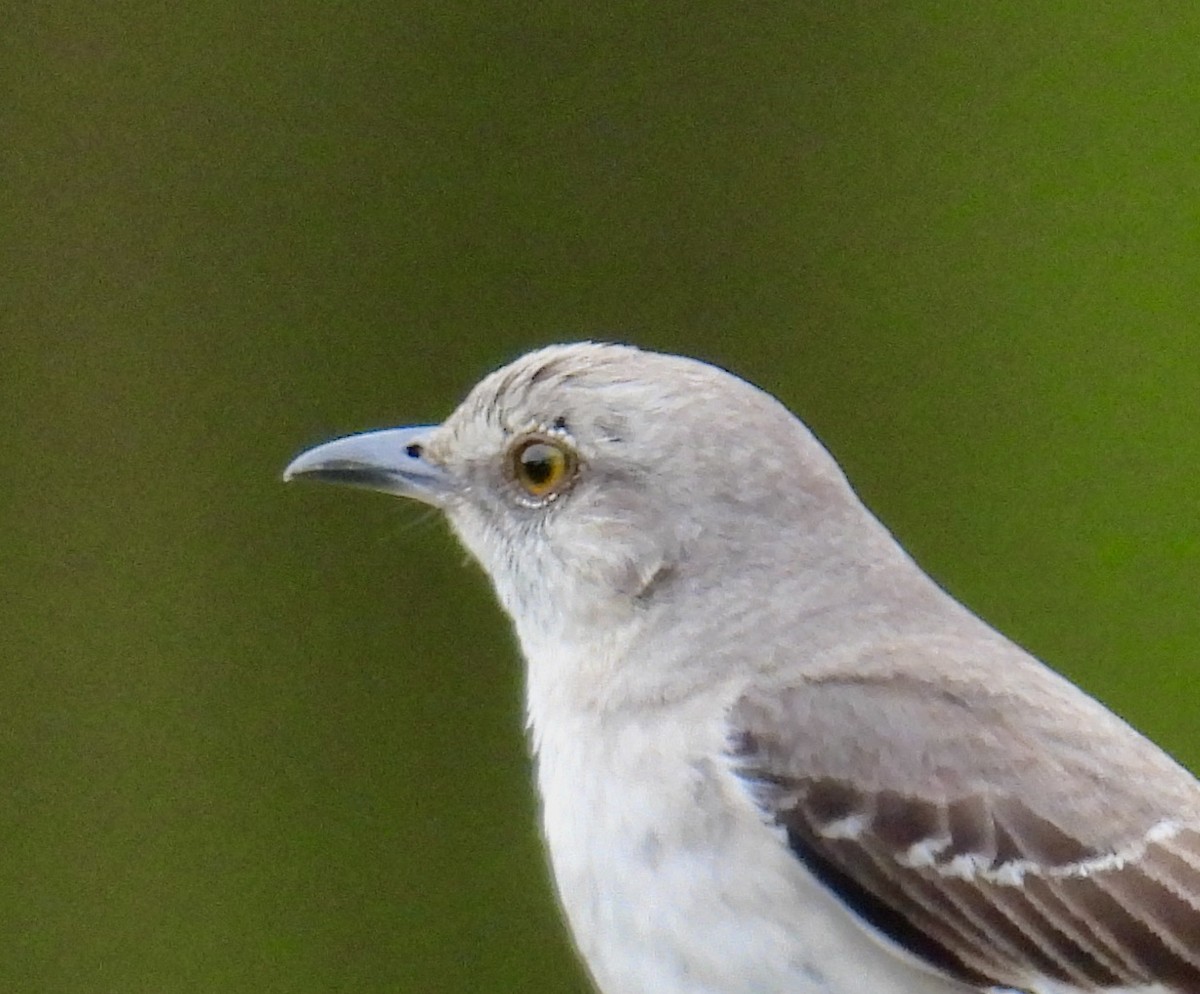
(773, 756)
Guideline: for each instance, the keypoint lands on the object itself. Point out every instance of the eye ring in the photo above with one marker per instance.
(542, 467)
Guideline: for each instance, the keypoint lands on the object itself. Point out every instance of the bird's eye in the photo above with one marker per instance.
(543, 467)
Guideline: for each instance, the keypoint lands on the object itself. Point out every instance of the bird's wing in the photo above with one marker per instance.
(973, 828)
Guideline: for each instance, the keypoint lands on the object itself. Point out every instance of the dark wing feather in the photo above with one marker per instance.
(980, 837)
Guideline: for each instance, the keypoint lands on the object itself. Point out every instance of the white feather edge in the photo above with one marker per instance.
(977, 866)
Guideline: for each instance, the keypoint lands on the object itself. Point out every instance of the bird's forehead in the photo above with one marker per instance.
(572, 389)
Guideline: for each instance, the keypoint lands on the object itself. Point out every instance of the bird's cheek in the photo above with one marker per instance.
(619, 561)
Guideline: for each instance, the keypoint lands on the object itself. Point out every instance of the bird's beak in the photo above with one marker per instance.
(392, 461)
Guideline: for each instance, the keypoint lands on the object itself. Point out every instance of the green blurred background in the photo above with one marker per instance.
(260, 739)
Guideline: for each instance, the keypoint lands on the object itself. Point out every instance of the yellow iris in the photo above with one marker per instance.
(543, 467)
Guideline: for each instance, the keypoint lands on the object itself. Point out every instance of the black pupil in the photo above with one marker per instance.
(538, 462)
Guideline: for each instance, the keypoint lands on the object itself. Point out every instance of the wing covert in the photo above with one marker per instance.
(964, 826)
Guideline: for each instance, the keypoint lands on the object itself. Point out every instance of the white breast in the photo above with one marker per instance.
(670, 880)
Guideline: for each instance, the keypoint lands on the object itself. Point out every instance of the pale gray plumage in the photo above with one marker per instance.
(774, 757)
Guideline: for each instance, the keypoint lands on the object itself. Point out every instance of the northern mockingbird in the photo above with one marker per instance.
(774, 757)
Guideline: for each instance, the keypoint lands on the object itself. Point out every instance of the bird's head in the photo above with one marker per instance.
(602, 486)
